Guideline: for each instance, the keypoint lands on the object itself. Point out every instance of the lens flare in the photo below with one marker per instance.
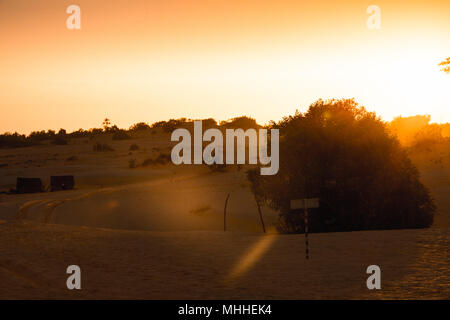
(252, 256)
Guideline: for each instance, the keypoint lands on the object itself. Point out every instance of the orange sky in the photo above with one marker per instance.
(154, 60)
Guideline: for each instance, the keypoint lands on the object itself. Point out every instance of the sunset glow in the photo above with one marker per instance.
(199, 59)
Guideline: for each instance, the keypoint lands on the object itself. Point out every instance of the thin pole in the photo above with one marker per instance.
(306, 229)
(225, 214)
(260, 216)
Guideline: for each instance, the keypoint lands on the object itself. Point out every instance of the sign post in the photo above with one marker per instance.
(305, 204)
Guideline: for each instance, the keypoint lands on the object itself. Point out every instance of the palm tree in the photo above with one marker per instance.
(106, 124)
(446, 65)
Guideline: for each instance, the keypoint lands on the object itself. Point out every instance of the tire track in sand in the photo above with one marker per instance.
(51, 204)
(30, 278)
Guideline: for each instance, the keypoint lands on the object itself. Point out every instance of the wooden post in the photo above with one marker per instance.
(260, 216)
(305, 204)
(225, 214)
(306, 228)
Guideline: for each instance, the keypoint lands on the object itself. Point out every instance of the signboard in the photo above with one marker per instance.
(305, 203)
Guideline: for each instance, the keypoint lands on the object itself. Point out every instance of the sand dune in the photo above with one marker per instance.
(219, 265)
(179, 202)
(156, 232)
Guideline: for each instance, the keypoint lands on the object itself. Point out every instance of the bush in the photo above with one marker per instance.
(344, 155)
(241, 123)
(120, 135)
(39, 136)
(201, 211)
(62, 132)
(148, 162)
(132, 163)
(72, 158)
(209, 123)
(139, 126)
(161, 159)
(405, 128)
(171, 125)
(59, 141)
(427, 137)
(15, 140)
(102, 147)
(134, 147)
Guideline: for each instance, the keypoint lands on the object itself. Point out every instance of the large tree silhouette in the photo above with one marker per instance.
(344, 155)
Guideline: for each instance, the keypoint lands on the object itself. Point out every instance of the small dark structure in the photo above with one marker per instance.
(61, 183)
(29, 185)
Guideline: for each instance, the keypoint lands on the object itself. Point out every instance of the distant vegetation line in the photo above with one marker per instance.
(411, 131)
(16, 140)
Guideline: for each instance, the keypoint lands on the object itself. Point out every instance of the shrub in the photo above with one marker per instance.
(102, 147)
(15, 140)
(62, 132)
(241, 123)
(209, 123)
(169, 126)
(427, 137)
(72, 158)
(344, 155)
(161, 159)
(39, 136)
(132, 163)
(202, 210)
(134, 147)
(148, 162)
(59, 141)
(139, 126)
(120, 135)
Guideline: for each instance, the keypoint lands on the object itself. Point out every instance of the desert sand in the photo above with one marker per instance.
(156, 232)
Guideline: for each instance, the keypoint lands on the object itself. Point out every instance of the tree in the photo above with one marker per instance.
(428, 136)
(139, 126)
(344, 155)
(62, 132)
(106, 124)
(243, 122)
(446, 65)
(406, 128)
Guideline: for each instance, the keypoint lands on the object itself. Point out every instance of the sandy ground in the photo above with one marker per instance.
(109, 194)
(217, 265)
(176, 202)
(157, 233)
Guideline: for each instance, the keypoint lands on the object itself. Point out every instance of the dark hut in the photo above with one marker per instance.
(61, 183)
(29, 185)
